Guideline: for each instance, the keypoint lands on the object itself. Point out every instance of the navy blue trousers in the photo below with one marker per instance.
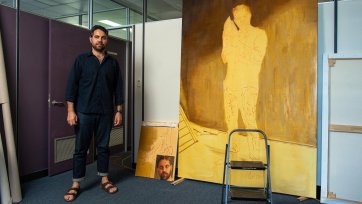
(99, 125)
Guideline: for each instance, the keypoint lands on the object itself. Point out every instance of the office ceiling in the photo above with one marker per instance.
(55, 9)
(105, 9)
(156, 9)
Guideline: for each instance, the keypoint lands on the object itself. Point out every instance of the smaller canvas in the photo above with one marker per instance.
(157, 152)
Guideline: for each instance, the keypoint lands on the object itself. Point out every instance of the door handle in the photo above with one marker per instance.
(57, 103)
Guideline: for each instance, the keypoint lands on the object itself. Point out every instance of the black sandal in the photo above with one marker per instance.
(107, 186)
(74, 194)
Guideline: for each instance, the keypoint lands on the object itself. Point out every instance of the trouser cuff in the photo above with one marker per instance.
(102, 174)
(78, 179)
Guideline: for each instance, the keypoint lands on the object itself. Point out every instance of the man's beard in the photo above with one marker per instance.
(165, 175)
(99, 49)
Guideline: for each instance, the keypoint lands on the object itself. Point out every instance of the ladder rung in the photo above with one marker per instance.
(247, 165)
(247, 194)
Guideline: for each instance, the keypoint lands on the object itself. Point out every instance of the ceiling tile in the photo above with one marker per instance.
(48, 2)
(63, 10)
(68, 1)
(46, 13)
(80, 6)
(32, 5)
(108, 4)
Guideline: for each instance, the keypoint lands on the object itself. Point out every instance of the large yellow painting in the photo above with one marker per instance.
(250, 65)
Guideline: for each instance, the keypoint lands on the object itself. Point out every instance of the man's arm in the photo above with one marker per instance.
(119, 108)
(118, 115)
(71, 92)
(72, 118)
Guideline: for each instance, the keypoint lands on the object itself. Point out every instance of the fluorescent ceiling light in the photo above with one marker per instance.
(108, 22)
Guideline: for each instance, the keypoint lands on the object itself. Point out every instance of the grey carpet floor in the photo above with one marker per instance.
(132, 189)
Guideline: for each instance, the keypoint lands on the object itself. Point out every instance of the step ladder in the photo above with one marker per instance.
(247, 193)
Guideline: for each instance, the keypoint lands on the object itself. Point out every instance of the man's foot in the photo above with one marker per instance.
(72, 193)
(108, 186)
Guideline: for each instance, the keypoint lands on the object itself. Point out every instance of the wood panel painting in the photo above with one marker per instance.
(249, 64)
(157, 152)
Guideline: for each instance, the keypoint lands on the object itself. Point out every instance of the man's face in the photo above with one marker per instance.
(164, 169)
(98, 40)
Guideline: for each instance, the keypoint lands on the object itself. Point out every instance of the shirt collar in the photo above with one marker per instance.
(90, 53)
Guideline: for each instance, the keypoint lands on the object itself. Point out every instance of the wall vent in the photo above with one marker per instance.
(116, 137)
(64, 148)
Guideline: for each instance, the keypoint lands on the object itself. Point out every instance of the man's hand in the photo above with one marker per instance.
(72, 118)
(117, 119)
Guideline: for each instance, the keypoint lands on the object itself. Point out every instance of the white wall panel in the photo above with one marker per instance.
(161, 73)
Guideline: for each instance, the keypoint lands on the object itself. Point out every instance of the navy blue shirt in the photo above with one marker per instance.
(94, 87)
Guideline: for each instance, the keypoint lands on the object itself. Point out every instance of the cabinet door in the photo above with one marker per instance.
(66, 42)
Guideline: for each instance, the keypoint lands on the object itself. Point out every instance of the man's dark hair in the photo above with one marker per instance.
(96, 27)
(164, 157)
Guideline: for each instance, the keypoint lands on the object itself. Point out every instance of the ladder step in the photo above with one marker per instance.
(247, 165)
(247, 194)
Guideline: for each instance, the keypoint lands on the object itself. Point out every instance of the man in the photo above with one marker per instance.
(94, 103)
(164, 167)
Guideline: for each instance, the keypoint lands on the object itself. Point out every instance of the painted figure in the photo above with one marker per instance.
(243, 51)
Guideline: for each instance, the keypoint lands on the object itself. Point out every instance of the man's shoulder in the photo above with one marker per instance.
(83, 55)
(112, 59)
(110, 56)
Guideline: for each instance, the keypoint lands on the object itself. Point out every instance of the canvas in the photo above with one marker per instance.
(251, 64)
(157, 152)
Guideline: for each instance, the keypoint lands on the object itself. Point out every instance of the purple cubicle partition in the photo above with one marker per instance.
(33, 71)
(45, 45)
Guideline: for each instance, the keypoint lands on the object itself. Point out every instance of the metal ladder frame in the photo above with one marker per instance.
(227, 166)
